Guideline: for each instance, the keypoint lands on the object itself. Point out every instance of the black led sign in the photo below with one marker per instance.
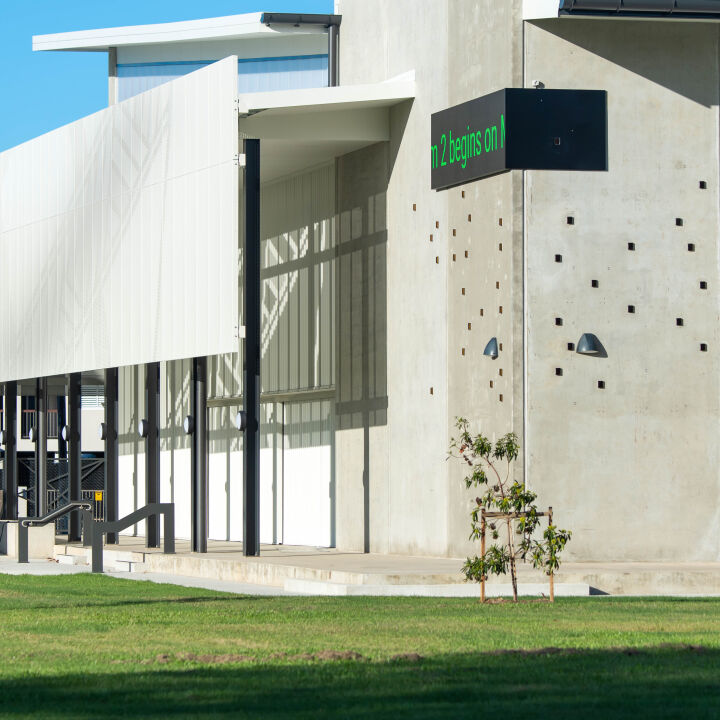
(519, 129)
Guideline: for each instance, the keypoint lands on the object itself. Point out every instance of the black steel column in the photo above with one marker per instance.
(110, 498)
(152, 450)
(41, 447)
(10, 467)
(61, 422)
(251, 375)
(74, 454)
(199, 487)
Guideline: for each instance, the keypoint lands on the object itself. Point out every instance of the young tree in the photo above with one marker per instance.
(490, 468)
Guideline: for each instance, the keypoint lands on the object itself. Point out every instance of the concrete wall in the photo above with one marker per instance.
(416, 498)
(631, 469)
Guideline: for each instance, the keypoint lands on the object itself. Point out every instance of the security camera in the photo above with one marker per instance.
(538, 84)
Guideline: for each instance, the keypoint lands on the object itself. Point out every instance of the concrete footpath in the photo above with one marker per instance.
(51, 567)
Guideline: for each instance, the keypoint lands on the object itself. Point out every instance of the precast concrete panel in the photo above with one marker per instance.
(119, 233)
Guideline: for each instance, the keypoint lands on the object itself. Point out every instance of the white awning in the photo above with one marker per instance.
(304, 128)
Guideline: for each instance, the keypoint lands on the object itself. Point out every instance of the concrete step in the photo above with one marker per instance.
(314, 587)
(71, 559)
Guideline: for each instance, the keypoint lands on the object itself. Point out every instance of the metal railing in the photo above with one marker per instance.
(93, 532)
(25, 523)
(27, 421)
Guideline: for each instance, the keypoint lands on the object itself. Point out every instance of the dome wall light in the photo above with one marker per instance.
(33, 434)
(491, 349)
(143, 428)
(65, 433)
(589, 345)
(102, 431)
(189, 424)
(3, 437)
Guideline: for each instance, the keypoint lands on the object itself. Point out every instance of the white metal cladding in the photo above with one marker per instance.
(119, 233)
(298, 275)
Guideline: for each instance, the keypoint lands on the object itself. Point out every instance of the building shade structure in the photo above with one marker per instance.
(119, 233)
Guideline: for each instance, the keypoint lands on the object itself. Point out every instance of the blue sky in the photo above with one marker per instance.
(41, 91)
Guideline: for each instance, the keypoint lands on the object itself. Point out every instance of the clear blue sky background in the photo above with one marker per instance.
(43, 90)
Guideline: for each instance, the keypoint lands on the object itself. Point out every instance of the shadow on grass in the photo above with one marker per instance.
(657, 683)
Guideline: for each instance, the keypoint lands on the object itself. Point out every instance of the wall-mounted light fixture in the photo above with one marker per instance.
(491, 349)
(241, 421)
(65, 433)
(102, 431)
(143, 428)
(589, 345)
(189, 424)
(33, 435)
(3, 437)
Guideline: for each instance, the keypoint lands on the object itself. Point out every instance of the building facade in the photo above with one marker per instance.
(378, 294)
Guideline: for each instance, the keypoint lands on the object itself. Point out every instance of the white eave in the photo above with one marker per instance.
(299, 129)
(230, 27)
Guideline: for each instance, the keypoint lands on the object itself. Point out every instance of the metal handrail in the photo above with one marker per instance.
(25, 523)
(93, 531)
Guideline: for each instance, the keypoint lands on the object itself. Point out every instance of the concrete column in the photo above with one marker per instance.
(74, 454)
(199, 456)
(152, 450)
(10, 467)
(41, 447)
(111, 449)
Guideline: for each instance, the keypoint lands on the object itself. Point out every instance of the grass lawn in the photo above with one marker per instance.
(83, 646)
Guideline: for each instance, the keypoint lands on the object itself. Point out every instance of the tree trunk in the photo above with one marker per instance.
(511, 546)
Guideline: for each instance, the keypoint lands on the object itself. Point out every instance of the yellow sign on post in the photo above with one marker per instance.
(98, 496)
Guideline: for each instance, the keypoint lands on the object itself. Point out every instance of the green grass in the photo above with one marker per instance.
(87, 646)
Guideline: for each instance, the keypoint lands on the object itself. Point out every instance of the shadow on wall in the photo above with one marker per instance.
(361, 295)
(675, 55)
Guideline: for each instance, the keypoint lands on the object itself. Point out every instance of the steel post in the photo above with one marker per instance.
(199, 488)
(110, 498)
(41, 447)
(10, 465)
(74, 454)
(152, 450)
(251, 375)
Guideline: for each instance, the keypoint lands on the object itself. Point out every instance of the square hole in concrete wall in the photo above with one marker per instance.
(414, 207)
(703, 285)
(558, 371)
(631, 246)
(463, 291)
(497, 285)
(454, 232)
(482, 312)
(558, 321)
(703, 185)
(437, 259)
(500, 310)
(437, 224)
(571, 347)
(595, 283)
(570, 220)
(631, 309)
(703, 347)
(500, 222)
(463, 351)
(500, 247)
(432, 391)
(500, 371)
(492, 384)
(601, 384)
(679, 322)
(500, 398)
(469, 218)
(558, 258)
(454, 257)
(462, 193)
(431, 237)
(467, 254)
(469, 326)
(691, 247)
(679, 222)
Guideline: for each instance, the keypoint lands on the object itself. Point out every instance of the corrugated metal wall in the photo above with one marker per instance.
(298, 276)
(254, 74)
(118, 233)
